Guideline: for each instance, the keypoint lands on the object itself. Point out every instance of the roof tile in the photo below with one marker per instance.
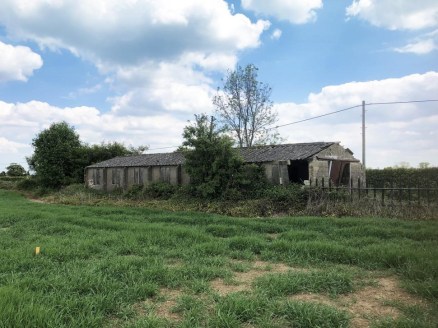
(256, 154)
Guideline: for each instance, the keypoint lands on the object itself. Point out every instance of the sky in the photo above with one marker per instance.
(136, 71)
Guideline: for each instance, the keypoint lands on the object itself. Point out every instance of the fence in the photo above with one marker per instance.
(392, 195)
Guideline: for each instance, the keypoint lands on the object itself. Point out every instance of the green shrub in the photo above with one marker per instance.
(160, 190)
(135, 192)
(285, 198)
(28, 184)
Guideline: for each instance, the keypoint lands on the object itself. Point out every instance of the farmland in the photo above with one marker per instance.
(106, 266)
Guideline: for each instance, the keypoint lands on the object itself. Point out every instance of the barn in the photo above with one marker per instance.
(283, 164)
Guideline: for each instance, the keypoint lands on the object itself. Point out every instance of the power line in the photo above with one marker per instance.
(331, 113)
(402, 102)
(352, 107)
(314, 117)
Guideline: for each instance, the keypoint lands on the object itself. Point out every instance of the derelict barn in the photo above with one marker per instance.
(284, 164)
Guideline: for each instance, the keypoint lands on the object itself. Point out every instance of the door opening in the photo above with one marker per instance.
(298, 171)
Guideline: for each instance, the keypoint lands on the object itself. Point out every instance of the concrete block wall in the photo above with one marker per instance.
(357, 171)
(277, 172)
(336, 151)
(318, 170)
(126, 176)
(95, 178)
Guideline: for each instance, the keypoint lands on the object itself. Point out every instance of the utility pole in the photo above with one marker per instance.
(363, 134)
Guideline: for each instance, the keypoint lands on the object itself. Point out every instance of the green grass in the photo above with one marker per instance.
(98, 262)
(332, 282)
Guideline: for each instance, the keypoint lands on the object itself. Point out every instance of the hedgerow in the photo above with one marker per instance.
(403, 177)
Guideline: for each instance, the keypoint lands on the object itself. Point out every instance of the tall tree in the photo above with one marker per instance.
(211, 161)
(60, 157)
(57, 159)
(15, 170)
(245, 109)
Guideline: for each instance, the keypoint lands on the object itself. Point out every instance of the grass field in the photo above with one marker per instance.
(106, 266)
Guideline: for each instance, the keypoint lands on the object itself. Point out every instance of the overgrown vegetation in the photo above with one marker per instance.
(216, 170)
(109, 266)
(211, 161)
(254, 200)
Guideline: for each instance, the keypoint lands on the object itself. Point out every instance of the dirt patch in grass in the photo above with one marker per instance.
(273, 235)
(367, 303)
(161, 305)
(242, 281)
(164, 309)
(39, 201)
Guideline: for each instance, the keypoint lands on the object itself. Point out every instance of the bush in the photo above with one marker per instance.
(252, 179)
(12, 178)
(160, 190)
(28, 184)
(135, 192)
(292, 196)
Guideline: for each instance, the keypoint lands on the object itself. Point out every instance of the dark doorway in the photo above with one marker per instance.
(298, 171)
(345, 177)
(339, 172)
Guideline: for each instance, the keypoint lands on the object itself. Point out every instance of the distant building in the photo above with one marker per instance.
(283, 164)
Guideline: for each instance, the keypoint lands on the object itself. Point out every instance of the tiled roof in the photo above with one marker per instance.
(283, 152)
(257, 154)
(162, 159)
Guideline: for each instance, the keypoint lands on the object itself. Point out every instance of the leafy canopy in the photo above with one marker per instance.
(211, 161)
(108, 150)
(15, 170)
(57, 156)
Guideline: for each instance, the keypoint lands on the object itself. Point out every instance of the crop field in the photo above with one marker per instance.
(107, 266)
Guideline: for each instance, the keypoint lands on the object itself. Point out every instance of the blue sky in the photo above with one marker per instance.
(137, 71)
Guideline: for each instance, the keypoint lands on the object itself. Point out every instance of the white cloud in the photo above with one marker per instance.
(8, 146)
(294, 11)
(165, 87)
(17, 62)
(422, 45)
(157, 55)
(85, 91)
(103, 30)
(276, 34)
(396, 15)
(395, 133)
(419, 47)
(21, 122)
